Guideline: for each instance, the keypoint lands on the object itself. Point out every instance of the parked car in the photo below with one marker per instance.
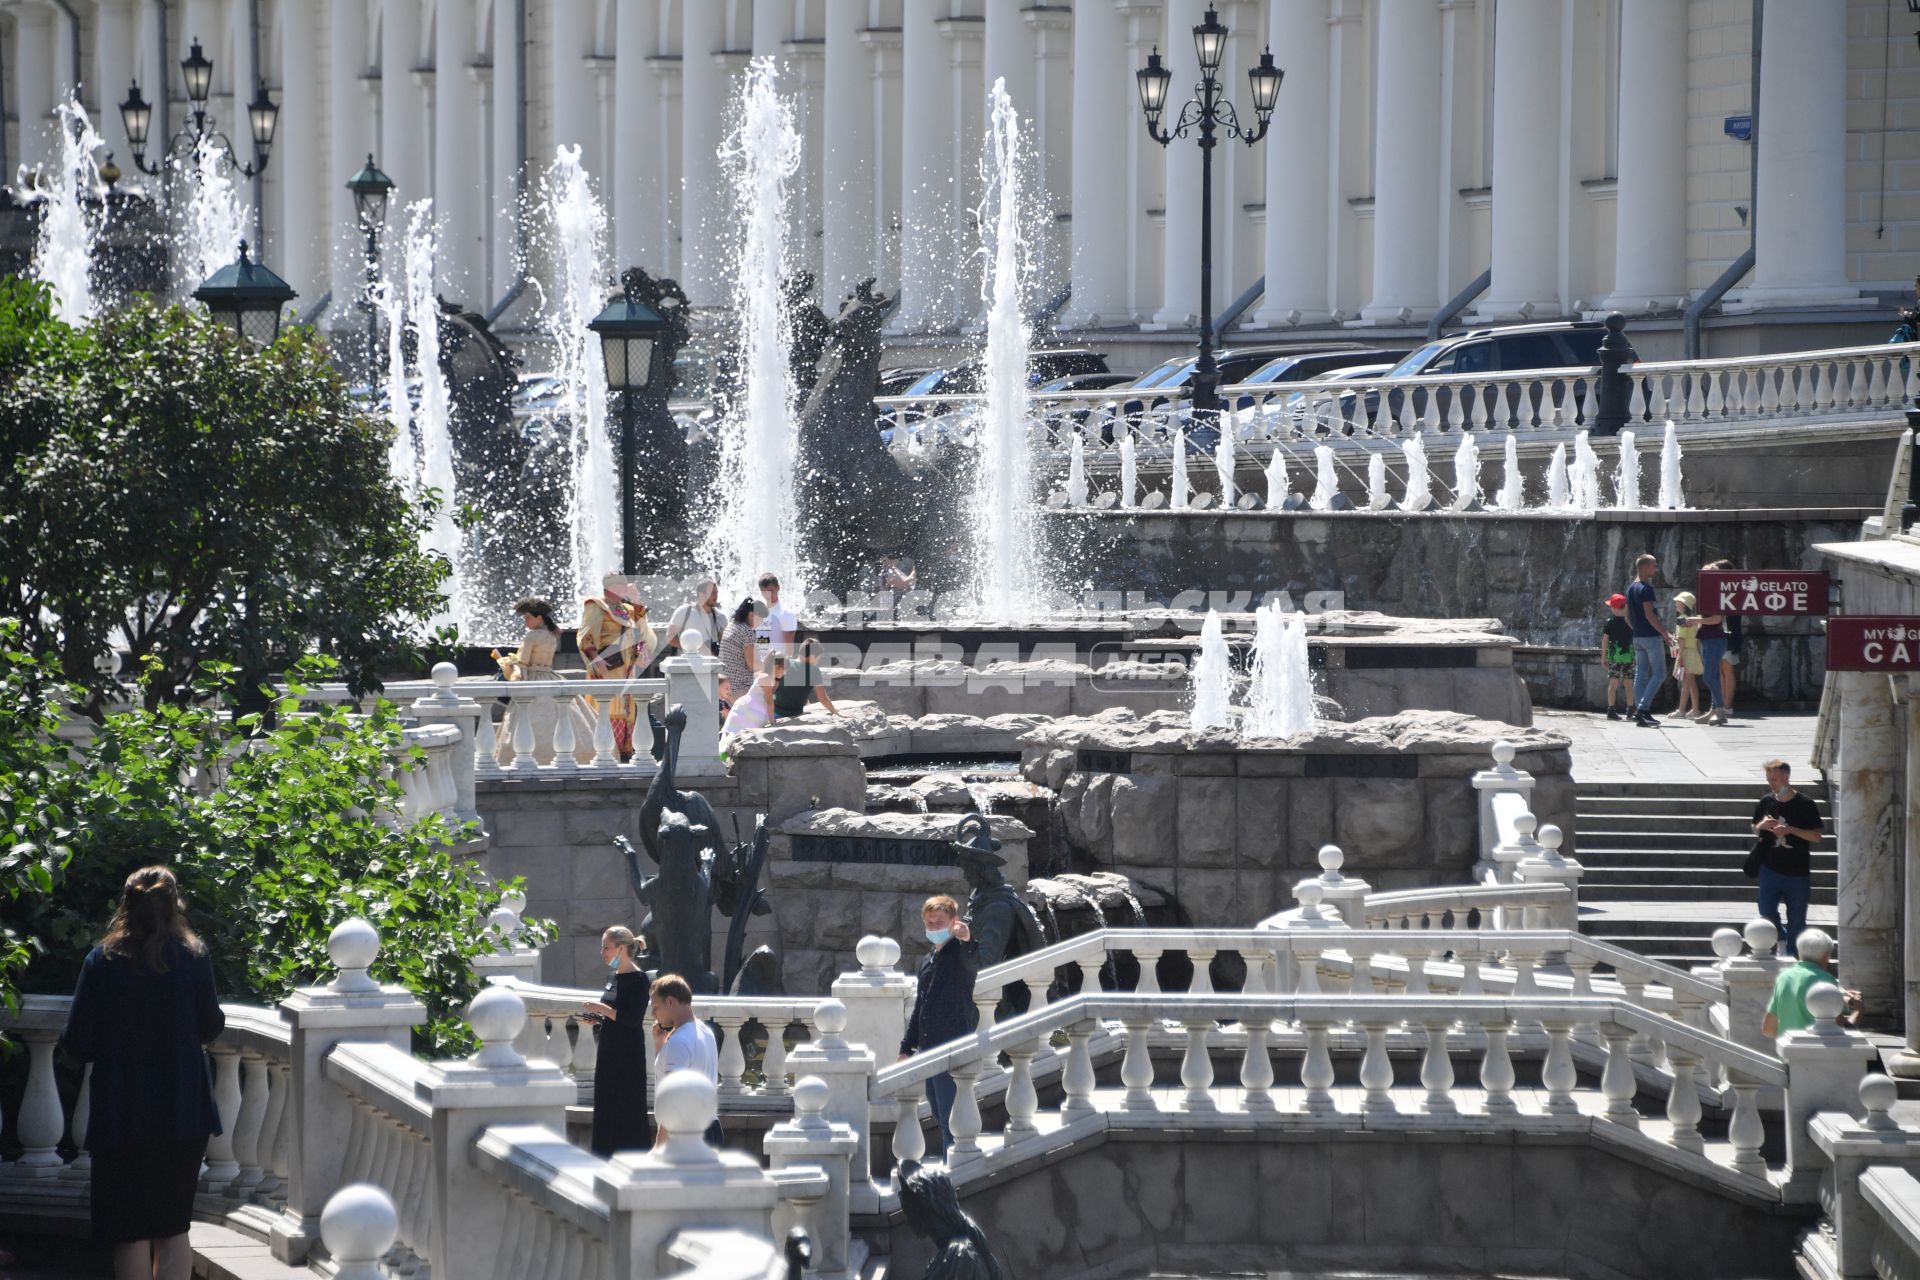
(894, 382)
(1573, 344)
(1310, 367)
(1167, 386)
(1086, 382)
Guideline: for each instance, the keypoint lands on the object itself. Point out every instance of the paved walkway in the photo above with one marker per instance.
(1680, 751)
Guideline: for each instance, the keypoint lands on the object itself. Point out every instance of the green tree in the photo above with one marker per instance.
(169, 490)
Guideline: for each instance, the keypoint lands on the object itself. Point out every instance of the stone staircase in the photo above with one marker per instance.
(1663, 863)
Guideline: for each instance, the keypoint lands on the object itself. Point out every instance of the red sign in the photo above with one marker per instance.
(1764, 593)
(1873, 644)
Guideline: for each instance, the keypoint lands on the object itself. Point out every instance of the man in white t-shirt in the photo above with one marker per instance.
(682, 1042)
(774, 633)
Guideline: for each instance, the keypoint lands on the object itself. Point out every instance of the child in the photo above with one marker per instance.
(1688, 666)
(1616, 654)
(943, 998)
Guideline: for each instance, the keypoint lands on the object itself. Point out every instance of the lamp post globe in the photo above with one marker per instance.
(247, 298)
(630, 332)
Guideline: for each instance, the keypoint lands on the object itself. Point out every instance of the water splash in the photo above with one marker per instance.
(1212, 677)
(1466, 473)
(1223, 462)
(579, 231)
(1077, 473)
(1129, 473)
(1513, 489)
(1009, 586)
(1672, 495)
(1418, 494)
(1584, 476)
(1325, 486)
(1280, 693)
(1180, 489)
(1377, 499)
(436, 404)
(217, 216)
(1277, 480)
(403, 455)
(1559, 494)
(1626, 484)
(63, 249)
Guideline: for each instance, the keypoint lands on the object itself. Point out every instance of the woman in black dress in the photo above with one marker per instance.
(142, 1014)
(620, 1016)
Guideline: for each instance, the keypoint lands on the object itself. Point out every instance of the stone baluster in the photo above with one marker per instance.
(1077, 1080)
(80, 1167)
(1202, 960)
(1196, 1066)
(810, 1139)
(1307, 958)
(1149, 958)
(1376, 1069)
(1022, 1101)
(773, 1059)
(1557, 1075)
(486, 743)
(1496, 1064)
(1471, 955)
(565, 741)
(359, 1226)
(1636, 988)
(1683, 1102)
(520, 713)
(606, 753)
(1136, 1068)
(733, 1056)
(1090, 967)
(584, 1052)
(1416, 955)
(222, 1167)
(963, 1123)
(280, 1125)
(1256, 1067)
(41, 1119)
(984, 1003)
(1745, 1131)
(551, 1030)
(1617, 1082)
(1037, 989)
(1436, 1068)
(909, 1140)
(249, 1123)
(1582, 969)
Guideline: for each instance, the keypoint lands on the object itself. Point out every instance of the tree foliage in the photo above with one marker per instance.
(277, 834)
(192, 499)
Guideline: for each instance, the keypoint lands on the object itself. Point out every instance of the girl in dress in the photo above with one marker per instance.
(617, 643)
(534, 661)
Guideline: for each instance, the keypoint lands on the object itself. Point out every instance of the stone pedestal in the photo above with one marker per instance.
(847, 1070)
(1850, 1146)
(876, 996)
(446, 706)
(811, 1140)
(1825, 1064)
(1502, 779)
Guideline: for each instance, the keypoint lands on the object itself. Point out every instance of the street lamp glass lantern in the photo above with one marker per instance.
(136, 116)
(1210, 42)
(1265, 81)
(628, 330)
(370, 189)
(262, 117)
(199, 74)
(1153, 80)
(246, 298)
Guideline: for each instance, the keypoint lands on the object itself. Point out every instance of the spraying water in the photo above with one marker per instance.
(1418, 494)
(1672, 496)
(1077, 473)
(1276, 480)
(1466, 473)
(436, 403)
(216, 219)
(403, 457)
(1325, 486)
(1513, 490)
(756, 530)
(1585, 474)
(1281, 690)
(1377, 499)
(1129, 473)
(1558, 495)
(1179, 502)
(63, 250)
(1003, 516)
(1212, 677)
(580, 245)
(1626, 484)
(1223, 461)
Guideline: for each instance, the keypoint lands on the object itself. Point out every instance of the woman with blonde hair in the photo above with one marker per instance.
(534, 661)
(142, 1014)
(617, 643)
(619, 1017)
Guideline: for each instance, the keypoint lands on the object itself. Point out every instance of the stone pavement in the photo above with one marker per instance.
(1680, 751)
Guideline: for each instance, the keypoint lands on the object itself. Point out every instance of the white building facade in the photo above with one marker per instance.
(1586, 152)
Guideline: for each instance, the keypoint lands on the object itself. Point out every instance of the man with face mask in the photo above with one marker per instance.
(943, 998)
(1786, 825)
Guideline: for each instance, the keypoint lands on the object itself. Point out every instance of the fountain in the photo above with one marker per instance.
(1513, 490)
(1280, 694)
(1585, 475)
(1003, 527)
(217, 216)
(436, 404)
(1466, 473)
(1559, 497)
(1626, 484)
(1672, 497)
(1180, 489)
(403, 456)
(1325, 487)
(1223, 461)
(1377, 499)
(1077, 473)
(1129, 473)
(1212, 677)
(63, 250)
(1277, 480)
(1418, 494)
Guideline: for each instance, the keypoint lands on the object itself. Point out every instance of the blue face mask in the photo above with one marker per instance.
(613, 962)
(938, 937)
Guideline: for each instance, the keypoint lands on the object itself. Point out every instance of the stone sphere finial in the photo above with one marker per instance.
(810, 1095)
(359, 1225)
(1310, 894)
(1550, 837)
(1824, 1002)
(692, 640)
(830, 1019)
(1503, 753)
(496, 1016)
(686, 1102)
(1877, 1095)
(1525, 823)
(445, 675)
(1726, 942)
(505, 925)
(353, 945)
(515, 901)
(1332, 858)
(1762, 936)
(876, 954)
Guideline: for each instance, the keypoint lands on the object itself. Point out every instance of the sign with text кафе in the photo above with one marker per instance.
(1763, 593)
(1873, 644)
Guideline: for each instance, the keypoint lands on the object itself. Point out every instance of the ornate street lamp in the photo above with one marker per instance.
(1210, 114)
(371, 191)
(263, 117)
(630, 334)
(247, 298)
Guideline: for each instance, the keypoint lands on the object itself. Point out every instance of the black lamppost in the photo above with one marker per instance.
(1211, 114)
(630, 335)
(247, 298)
(371, 188)
(136, 114)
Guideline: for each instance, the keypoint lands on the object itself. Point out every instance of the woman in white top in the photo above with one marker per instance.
(696, 627)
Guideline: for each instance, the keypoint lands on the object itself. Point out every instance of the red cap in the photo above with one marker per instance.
(1616, 601)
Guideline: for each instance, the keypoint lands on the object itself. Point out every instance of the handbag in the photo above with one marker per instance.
(1756, 859)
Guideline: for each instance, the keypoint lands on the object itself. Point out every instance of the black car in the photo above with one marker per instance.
(1517, 348)
(1043, 366)
(1304, 368)
(894, 382)
(1169, 384)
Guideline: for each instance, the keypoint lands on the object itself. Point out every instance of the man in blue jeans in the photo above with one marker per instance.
(1786, 823)
(943, 999)
(1651, 640)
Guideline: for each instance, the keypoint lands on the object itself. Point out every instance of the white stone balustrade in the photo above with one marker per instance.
(1852, 1146)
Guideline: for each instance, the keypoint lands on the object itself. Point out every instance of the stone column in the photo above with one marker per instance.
(1050, 121)
(1801, 130)
(505, 163)
(1908, 1062)
(1180, 242)
(1296, 148)
(847, 221)
(929, 297)
(113, 71)
(351, 137)
(1867, 811)
(639, 167)
(301, 255)
(1105, 110)
(571, 33)
(460, 266)
(703, 199)
(32, 85)
(403, 119)
(1407, 182)
(884, 99)
(1650, 231)
(1526, 143)
(1008, 55)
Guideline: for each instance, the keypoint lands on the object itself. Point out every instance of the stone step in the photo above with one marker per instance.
(1725, 857)
(1749, 791)
(1679, 873)
(1740, 807)
(1693, 892)
(1644, 838)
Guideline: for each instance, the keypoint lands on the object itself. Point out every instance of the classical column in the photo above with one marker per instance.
(1180, 243)
(1872, 833)
(351, 137)
(637, 162)
(927, 216)
(846, 194)
(884, 101)
(460, 268)
(1105, 110)
(1406, 165)
(506, 162)
(403, 132)
(665, 247)
(570, 29)
(1650, 231)
(1801, 130)
(1051, 135)
(1526, 128)
(703, 199)
(1298, 269)
(1008, 54)
(772, 27)
(32, 87)
(301, 256)
(113, 71)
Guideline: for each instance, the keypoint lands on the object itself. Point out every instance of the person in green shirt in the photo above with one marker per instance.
(1787, 1011)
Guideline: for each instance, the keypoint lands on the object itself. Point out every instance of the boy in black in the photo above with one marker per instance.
(1616, 654)
(1786, 824)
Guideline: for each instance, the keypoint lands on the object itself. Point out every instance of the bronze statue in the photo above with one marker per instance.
(1003, 925)
(961, 1251)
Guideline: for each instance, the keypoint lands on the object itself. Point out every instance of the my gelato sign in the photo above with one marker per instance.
(1873, 644)
(1764, 593)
